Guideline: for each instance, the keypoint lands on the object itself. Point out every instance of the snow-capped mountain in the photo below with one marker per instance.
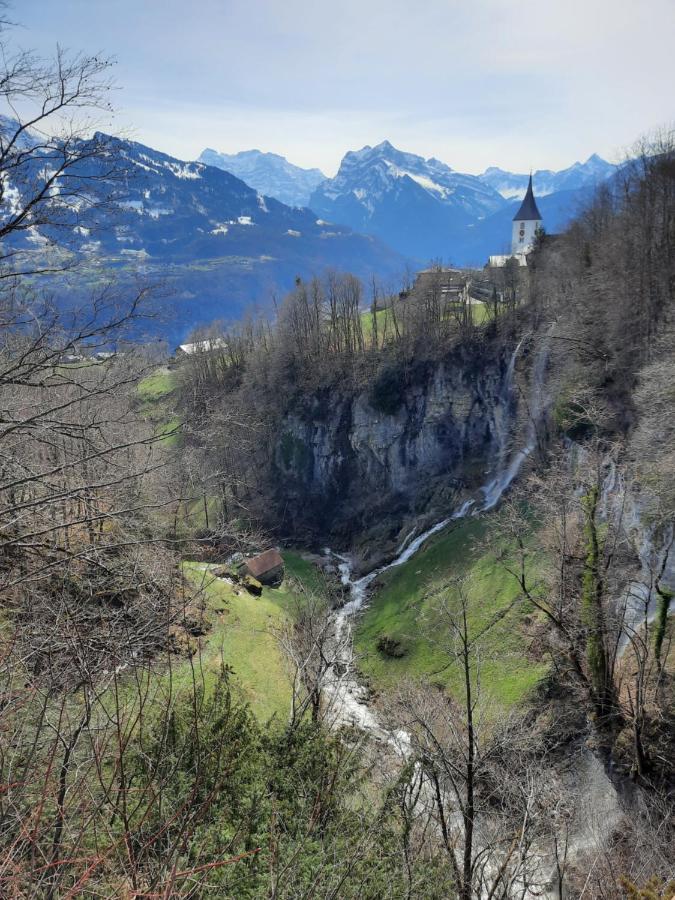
(579, 175)
(269, 173)
(412, 203)
(216, 244)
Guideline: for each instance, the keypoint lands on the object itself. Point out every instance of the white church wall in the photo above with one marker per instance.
(523, 234)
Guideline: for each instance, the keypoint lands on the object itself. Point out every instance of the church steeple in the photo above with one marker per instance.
(528, 211)
(525, 223)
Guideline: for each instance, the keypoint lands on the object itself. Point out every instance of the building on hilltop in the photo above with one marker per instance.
(526, 223)
(205, 346)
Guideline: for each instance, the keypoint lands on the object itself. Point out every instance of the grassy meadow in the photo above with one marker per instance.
(409, 605)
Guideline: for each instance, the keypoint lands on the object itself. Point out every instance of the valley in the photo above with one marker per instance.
(337, 512)
(211, 246)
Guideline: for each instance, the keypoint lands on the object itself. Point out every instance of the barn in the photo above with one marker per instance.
(267, 567)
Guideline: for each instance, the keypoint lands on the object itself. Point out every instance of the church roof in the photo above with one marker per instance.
(528, 208)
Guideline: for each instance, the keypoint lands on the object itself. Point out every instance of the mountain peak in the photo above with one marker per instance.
(391, 193)
(269, 173)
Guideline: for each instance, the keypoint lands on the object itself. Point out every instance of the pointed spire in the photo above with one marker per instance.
(528, 208)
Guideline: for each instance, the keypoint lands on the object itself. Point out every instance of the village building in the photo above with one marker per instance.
(267, 567)
(446, 283)
(526, 223)
(205, 346)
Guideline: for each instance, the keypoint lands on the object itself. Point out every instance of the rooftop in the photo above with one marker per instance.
(528, 208)
(264, 562)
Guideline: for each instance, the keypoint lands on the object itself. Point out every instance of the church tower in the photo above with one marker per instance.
(525, 223)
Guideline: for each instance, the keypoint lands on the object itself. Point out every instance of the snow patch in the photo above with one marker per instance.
(34, 236)
(11, 197)
(183, 170)
(427, 183)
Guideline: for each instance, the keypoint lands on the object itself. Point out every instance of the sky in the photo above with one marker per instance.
(524, 84)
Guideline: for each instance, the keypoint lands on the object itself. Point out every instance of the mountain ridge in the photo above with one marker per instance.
(512, 185)
(269, 173)
(217, 244)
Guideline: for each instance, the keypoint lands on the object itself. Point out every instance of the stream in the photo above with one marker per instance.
(348, 698)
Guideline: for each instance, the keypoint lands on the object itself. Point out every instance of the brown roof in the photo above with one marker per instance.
(264, 562)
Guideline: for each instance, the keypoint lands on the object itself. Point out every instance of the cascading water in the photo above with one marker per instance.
(350, 700)
(508, 469)
(348, 696)
(504, 406)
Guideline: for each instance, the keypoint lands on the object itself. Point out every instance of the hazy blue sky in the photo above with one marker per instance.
(520, 84)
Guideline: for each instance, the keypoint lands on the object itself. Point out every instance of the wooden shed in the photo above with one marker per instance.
(267, 567)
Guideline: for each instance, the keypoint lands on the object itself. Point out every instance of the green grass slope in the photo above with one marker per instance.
(243, 635)
(157, 386)
(407, 607)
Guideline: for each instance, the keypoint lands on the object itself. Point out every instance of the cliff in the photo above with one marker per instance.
(348, 461)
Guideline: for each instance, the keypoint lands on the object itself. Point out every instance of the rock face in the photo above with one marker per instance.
(344, 462)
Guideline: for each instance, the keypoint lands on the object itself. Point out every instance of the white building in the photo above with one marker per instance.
(205, 346)
(526, 223)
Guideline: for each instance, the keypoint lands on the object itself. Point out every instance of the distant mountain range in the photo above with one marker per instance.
(580, 175)
(424, 209)
(219, 244)
(421, 207)
(268, 173)
(216, 244)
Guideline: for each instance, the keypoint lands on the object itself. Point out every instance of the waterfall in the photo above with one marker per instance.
(504, 405)
(655, 549)
(349, 697)
(509, 469)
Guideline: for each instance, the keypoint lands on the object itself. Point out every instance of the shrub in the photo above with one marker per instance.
(387, 392)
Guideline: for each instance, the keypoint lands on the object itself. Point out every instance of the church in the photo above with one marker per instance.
(526, 222)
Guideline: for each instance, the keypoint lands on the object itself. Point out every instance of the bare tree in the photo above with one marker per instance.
(487, 806)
